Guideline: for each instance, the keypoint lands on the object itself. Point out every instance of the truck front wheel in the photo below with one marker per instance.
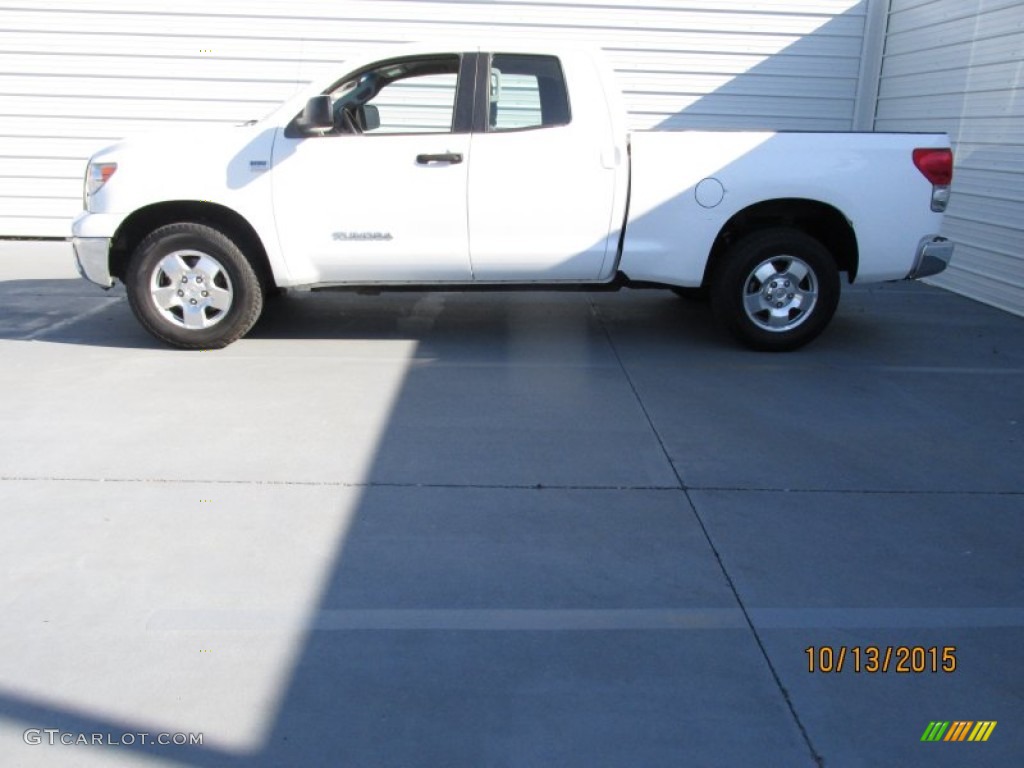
(191, 287)
(776, 290)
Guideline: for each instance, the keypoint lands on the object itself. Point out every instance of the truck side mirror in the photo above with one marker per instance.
(317, 114)
(369, 117)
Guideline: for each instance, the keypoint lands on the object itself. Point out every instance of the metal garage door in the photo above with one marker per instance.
(956, 66)
(78, 74)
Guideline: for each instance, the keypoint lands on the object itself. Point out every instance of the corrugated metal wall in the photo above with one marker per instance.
(78, 74)
(958, 66)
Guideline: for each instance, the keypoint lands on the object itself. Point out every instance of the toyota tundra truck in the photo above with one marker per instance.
(510, 166)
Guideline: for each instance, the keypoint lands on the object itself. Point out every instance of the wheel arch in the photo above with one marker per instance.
(138, 225)
(821, 221)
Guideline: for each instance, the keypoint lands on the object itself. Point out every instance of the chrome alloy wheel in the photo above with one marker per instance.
(780, 293)
(191, 289)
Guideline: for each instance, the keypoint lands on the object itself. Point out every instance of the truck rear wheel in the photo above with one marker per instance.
(191, 287)
(776, 290)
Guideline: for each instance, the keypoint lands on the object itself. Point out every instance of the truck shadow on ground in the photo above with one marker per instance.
(72, 312)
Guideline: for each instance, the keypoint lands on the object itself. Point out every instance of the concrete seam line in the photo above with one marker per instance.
(449, 619)
(331, 484)
(574, 619)
(636, 394)
(108, 302)
(815, 755)
(818, 758)
(501, 486)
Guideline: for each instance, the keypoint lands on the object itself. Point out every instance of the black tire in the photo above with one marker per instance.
(776, 290)
(191, 287)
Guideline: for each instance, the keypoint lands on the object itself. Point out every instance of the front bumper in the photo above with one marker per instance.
(933, 256)
(92, 257)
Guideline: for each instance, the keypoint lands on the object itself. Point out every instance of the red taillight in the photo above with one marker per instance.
(935, 164)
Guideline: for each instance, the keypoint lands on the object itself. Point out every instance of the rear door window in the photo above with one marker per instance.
(526, 92)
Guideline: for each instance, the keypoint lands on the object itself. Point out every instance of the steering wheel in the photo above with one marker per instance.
(349, 123)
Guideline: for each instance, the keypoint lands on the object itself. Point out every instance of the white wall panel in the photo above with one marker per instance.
(77, 74)
(958, 66)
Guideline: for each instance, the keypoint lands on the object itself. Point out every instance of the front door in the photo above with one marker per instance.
(381, 197)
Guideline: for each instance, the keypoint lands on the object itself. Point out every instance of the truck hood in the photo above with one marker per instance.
(170, 145)
(193, 164)
(187, 141)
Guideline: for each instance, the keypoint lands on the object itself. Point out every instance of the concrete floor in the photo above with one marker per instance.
(505, 530)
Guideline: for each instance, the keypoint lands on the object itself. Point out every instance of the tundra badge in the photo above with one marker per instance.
(345, 236)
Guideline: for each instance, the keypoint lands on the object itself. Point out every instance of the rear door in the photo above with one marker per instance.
(543, 174)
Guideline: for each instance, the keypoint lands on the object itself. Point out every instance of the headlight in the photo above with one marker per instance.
(97, 175)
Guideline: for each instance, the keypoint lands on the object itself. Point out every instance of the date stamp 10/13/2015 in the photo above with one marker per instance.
(880, 659)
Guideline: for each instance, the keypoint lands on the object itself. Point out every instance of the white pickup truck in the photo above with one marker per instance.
(499, 167)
